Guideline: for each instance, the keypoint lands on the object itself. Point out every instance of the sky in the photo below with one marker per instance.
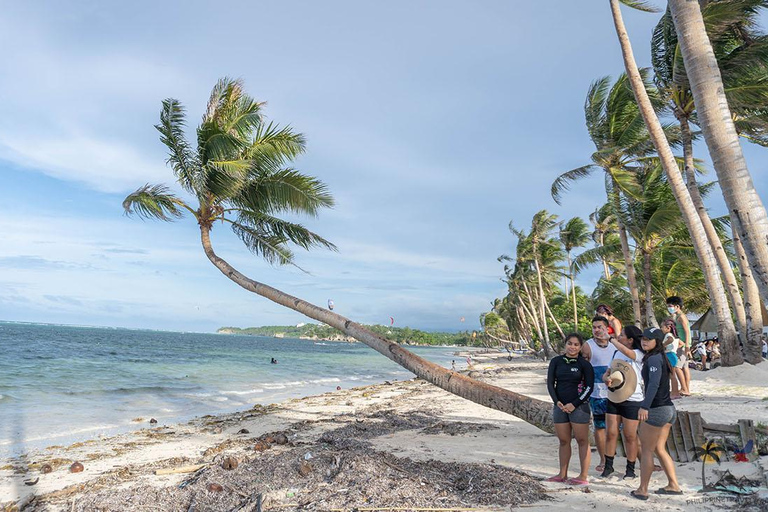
(433, 123)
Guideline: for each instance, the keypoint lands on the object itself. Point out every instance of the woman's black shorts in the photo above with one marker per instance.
(626, 409)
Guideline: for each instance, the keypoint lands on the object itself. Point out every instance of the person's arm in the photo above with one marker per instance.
(616, 324)
(551, 381)
(586, 352)
(624, 350)
(668, 339)
(654, 380)
(686, 328)
(588, 374)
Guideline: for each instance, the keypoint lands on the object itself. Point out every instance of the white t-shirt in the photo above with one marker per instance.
(637, 365)
(672, 347)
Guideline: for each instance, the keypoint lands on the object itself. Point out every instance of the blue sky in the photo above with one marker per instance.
(434, 123)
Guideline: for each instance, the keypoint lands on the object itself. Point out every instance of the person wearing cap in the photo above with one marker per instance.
(657, 414)
(683, 327)
(569, 381)
(625, 394)
(599, 352)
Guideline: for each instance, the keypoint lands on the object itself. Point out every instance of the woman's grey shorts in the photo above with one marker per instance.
(660, 416)
(579, 415)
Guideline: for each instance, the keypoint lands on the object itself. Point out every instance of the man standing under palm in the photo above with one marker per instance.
(599, 352)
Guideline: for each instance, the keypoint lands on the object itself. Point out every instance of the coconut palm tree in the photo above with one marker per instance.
(742, 54)
(747, 211)
(616, 128)
(238, 175)
(726, 328)
(573, 234)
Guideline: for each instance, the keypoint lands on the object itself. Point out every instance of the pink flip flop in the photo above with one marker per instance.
(577, 481)
(555, 478)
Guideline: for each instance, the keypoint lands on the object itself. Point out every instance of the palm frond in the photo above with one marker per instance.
(272, 227)
(285, 190)
(181, 157)
(154, 202)
(640, 5)
(271, 248)
(562, 183)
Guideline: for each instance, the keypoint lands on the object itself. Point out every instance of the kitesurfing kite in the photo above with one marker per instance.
(391, 321)
(330, 304)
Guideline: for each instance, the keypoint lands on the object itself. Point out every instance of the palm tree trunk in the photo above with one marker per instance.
(554, 320)
(573, 294)
(532, 321)
(744, 204)
(753, 333)
(628, 261)
(542, 300)
(606, 270)
(531, 410)
(731, 353)
(537, 320)
(726, 271)
(650, 316)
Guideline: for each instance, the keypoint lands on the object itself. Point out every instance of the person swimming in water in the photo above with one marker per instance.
(273, 361)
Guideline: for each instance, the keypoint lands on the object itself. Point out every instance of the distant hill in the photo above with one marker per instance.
(402, 335)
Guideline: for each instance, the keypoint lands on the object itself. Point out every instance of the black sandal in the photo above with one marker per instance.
(669, 491)
(639, 496)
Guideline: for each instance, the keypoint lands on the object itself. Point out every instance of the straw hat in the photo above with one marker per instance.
(623, 381)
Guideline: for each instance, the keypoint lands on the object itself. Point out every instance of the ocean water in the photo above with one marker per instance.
(61, 384)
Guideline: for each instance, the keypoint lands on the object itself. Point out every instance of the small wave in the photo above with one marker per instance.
(69, 432)
(131, 391)
(247, 392)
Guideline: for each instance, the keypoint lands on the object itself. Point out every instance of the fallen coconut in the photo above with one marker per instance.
(76, 467)
(280, 438)
(46, 468)
(243, 431)
(229, 463)
(153, 421)
(214, 487)
(261, 446)
(305, 468)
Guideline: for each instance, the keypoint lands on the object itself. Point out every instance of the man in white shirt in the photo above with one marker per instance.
(599, 352)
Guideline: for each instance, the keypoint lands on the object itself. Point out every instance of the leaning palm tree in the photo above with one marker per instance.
(726, 328)
(747, 211)
(573, 234)
(742, 55)
(238, 175)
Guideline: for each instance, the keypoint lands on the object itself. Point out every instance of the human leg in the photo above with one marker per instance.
(611, 437)
(599, 407)
(649, 436)
(563, 431)
(630, 445)
(581, 433)
(665, 460)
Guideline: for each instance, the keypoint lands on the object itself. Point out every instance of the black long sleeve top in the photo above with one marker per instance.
(570, 381)
(656, 378)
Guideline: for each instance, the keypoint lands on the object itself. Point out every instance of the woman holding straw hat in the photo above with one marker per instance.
(657, 414)
(625, 394)
(570, 380)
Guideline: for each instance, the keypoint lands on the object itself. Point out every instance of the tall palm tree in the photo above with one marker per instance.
(616, 128)
(726, 330)
(238, 175)
(747, 211)
(573, 234)
(742, 54)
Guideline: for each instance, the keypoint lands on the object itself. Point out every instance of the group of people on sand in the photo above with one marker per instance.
(623, 379)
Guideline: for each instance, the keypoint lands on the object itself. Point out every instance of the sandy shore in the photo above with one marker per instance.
(394, 444)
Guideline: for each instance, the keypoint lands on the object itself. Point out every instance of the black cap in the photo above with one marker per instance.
(653, 333)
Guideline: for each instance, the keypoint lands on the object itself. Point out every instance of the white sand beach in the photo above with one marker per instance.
(457, 432)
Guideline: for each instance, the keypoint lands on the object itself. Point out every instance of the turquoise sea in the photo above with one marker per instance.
(60, 384)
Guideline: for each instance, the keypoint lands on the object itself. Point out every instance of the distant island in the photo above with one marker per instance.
(401, 335)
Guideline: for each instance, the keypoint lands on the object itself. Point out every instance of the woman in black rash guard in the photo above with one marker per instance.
(657, 414)
(570, 380)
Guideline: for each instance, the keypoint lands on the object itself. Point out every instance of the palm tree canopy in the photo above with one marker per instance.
(574, 233)
(239, 174)
(617, 129)
(741, 49)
